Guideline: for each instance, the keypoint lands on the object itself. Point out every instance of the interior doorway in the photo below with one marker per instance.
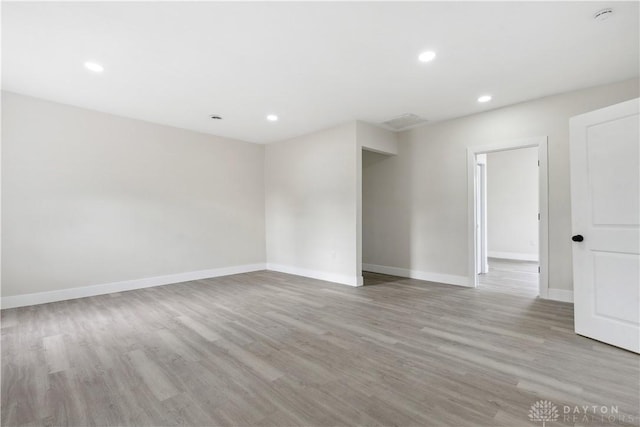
(508, 212)
(508, 217)
(374, 238)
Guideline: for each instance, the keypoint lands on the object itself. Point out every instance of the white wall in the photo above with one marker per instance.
(89, 198)
(420, 209)
(311, 205)
(377, 139)
(512, 204)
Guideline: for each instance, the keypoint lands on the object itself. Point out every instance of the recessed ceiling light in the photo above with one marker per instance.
(427, 56)
(272, 118)
(484, 98)
(96, 68)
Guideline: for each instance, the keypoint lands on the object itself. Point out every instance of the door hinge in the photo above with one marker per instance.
(538, 269)
(538, 162)
(538, 216)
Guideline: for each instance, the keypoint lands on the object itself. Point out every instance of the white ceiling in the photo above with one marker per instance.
(313, 64)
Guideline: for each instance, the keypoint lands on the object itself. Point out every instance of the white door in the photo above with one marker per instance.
(605, 195)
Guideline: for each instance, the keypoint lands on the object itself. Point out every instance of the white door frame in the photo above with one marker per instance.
(543, 205)
(481, 214)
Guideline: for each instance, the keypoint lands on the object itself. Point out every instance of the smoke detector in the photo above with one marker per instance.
(405, 121)
(603, 15)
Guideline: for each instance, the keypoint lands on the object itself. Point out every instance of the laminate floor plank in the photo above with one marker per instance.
(518, 278)
(271, 349)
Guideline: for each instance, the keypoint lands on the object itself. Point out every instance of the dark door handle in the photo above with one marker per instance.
(577, 238)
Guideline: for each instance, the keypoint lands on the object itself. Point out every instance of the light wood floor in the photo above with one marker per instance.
(270, 349)
(512, 277)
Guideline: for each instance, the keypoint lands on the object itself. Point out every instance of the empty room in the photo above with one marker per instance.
(320, 214)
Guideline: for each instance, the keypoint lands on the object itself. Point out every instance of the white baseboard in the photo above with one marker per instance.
(127, 285)
(343, 279)
(447, 279)
(514, 256)
(563, 295)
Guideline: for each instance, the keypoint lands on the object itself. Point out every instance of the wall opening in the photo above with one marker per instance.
(508, 207)
(373, 237)
(507, 214)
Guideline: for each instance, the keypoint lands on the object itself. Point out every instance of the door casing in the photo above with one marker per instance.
(481, 214)
(543, 205)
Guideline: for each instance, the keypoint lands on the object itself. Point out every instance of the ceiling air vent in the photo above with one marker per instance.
(405, 121)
